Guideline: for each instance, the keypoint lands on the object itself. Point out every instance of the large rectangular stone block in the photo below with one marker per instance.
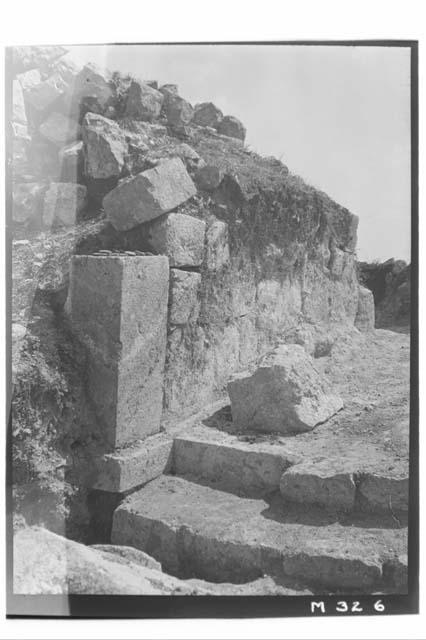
(149, 194)
(119, 310)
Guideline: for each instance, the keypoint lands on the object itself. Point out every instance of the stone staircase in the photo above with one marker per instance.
(216, 512)
(207, 502)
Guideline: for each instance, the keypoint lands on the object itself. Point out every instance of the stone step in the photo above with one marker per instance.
(336, 484)
(196, 531)
(132, 466)
(229, 464)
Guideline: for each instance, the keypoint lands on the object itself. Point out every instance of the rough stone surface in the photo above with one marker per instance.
(364, 319)
(48, 564)
(62, 203)
(381, 492)
(149, 194)
(72, 161)
(198, 531)
(42, 95)
(143, 102)
(178, 111)
(324, 483)
(119, 310)
(27, 202)
(209, 177)
(184, 296)
(232, 127)
(180, 237)
(59, 129)
(133, 466)
(217, 245)
(90, 91)
(105, 147)
(207, 114)
(189, 156)
(284, 394)
(230, 464)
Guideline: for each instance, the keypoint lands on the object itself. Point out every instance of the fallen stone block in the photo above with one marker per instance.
(178, 111)
(143, 102)
(91, 87)
(148, 195)
(62, 203)
(217, 245)
(380, 492)
(119, 311)
(59, 129)
(231, 127)
(49, 564)
(184, 296)
(133, 466)
(284, 394)
(105, 147)
(365, 315)
(180, 237)
(207, 114)
(189, 156)
(43, 94)
(323, 483)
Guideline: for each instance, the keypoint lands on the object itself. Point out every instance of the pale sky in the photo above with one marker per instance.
(337, 116)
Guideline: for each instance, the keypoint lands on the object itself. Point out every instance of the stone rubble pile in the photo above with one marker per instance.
(69, 125)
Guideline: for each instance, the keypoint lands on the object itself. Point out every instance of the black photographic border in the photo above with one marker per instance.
(175, 607)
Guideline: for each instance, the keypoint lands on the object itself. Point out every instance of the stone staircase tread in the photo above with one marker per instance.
(219, 536)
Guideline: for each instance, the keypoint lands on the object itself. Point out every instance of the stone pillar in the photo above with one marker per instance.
(119, 311)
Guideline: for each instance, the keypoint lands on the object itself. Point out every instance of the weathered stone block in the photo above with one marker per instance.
(42, 95)
(322, 483)
(180, 237)
(384, 493)
(189, 156)
(178, 111)
(63, 202)
(105, 147)
(207, 114)
(149, 194)
(284, 394)
(91, 86)
(365, 315)
(59, 129)
(119, 310)
(217, 245)
(184, 298)
(232, 127)
(143, 102)
(135, 465)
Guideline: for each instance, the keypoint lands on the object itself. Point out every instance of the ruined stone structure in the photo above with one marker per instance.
(206, 257)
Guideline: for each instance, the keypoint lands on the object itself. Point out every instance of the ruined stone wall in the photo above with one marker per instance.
(252, 250)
